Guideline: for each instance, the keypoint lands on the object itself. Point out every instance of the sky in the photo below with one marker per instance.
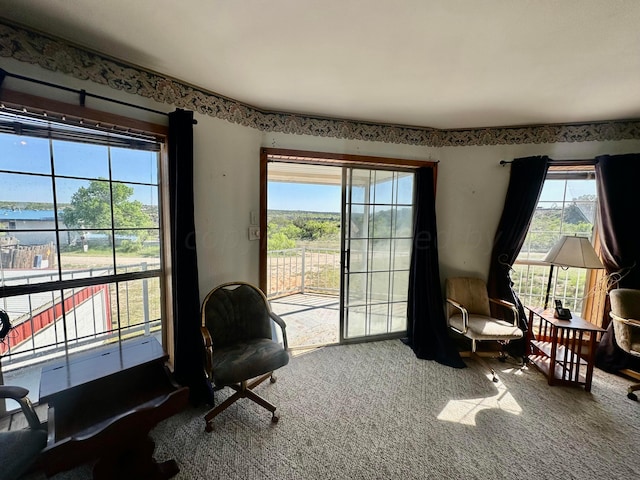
(304, 197)
(327, 198)
(32, 155)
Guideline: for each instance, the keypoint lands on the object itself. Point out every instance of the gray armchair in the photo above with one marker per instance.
(625, 313)
(238, 329)
(19, 449)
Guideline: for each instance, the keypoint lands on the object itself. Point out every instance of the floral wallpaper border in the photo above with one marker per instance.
(56, 55)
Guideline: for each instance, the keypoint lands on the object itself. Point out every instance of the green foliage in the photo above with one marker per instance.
(279, 241)
(287, 228)
(91, 206)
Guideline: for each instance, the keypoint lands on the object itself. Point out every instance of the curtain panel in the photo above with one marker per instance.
(619, 207)
(525, 186)
(427, 331)
(189, 349)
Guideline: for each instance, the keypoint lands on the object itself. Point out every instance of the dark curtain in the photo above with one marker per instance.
(525, 185)
(619, 207)
(189, 348)
(427, 332)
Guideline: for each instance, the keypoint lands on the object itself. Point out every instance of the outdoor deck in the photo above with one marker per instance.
(311, 319)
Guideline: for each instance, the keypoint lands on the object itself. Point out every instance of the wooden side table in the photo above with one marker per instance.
(556, 347)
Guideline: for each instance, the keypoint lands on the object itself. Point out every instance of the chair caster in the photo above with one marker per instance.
(274, 418)
(208, 427)
(273, 379)
(494, 379)
(632, 396)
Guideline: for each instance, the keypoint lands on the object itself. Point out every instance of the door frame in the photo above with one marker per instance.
(319, 158)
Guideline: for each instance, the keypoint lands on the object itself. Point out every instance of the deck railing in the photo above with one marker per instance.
(317, 270)
(303, 270)
(38, 330)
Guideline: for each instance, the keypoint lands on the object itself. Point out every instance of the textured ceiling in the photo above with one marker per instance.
(432, 63)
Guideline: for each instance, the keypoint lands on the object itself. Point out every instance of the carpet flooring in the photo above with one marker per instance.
(374, 411)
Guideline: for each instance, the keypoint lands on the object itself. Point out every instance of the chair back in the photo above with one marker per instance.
(470, 292)
(625, 302)
(236, 312)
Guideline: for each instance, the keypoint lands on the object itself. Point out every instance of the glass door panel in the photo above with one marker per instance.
(377, 228)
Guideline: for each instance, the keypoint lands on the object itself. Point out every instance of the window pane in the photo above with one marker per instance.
(135, 205)
(358, 226)
(139, 305)
(360, 186)
(134, 165)
(28, 258)
(404, 222)
(25, 197)
(383, 188)
(80, 159)
(24, 154)
(380, 222)
(402, 254)
(358, 259)
(85, 254)
(137, 250)
(405, 189)
(87, 204)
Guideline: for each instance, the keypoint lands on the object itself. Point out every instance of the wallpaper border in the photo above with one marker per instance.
(56, 55)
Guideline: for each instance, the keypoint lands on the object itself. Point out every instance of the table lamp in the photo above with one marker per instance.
(571, 252)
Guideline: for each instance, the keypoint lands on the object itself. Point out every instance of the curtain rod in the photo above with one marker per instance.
(83, 93)
(563, 163)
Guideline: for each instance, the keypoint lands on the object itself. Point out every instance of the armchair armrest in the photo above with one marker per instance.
(283, 326)
(632, 322)
(208, 352)
(510, 306)
(19, 394)
(465, 315)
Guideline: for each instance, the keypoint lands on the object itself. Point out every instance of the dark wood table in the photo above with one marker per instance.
(102, 405)
(564, 350)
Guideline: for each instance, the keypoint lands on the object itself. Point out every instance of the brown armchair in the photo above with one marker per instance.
(625, 313)
(469, 314)
(238, 329)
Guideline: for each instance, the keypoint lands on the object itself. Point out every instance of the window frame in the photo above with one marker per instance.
(80, 116)
(592, 301)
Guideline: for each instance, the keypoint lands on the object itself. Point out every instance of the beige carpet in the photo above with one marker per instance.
(374, 411)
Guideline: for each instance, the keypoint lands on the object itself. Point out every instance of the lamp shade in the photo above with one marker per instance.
(573, 252)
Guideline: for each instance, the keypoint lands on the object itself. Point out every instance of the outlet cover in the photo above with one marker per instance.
(254, 233)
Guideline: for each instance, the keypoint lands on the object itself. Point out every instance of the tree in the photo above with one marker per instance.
(91, 206)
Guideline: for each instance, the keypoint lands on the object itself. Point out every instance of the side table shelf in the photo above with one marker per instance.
(557, 347)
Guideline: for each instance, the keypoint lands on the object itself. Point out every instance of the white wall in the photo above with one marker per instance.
(470, 191)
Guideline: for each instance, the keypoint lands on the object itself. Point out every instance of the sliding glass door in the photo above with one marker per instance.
(377, 237)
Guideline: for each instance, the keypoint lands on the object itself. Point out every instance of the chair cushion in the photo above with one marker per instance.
(245, 360)
(18, 451)
(482, 327)
(470, 292)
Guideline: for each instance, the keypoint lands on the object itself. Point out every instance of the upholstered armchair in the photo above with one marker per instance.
(469, 314)
(20, 448)
(241, 347)
(625, 314)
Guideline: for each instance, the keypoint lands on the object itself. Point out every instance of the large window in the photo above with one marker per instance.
(80, 237)
(567, 206)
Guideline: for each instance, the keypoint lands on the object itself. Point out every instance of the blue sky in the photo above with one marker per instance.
(327, 198)
(32, 155)
(304, 197)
